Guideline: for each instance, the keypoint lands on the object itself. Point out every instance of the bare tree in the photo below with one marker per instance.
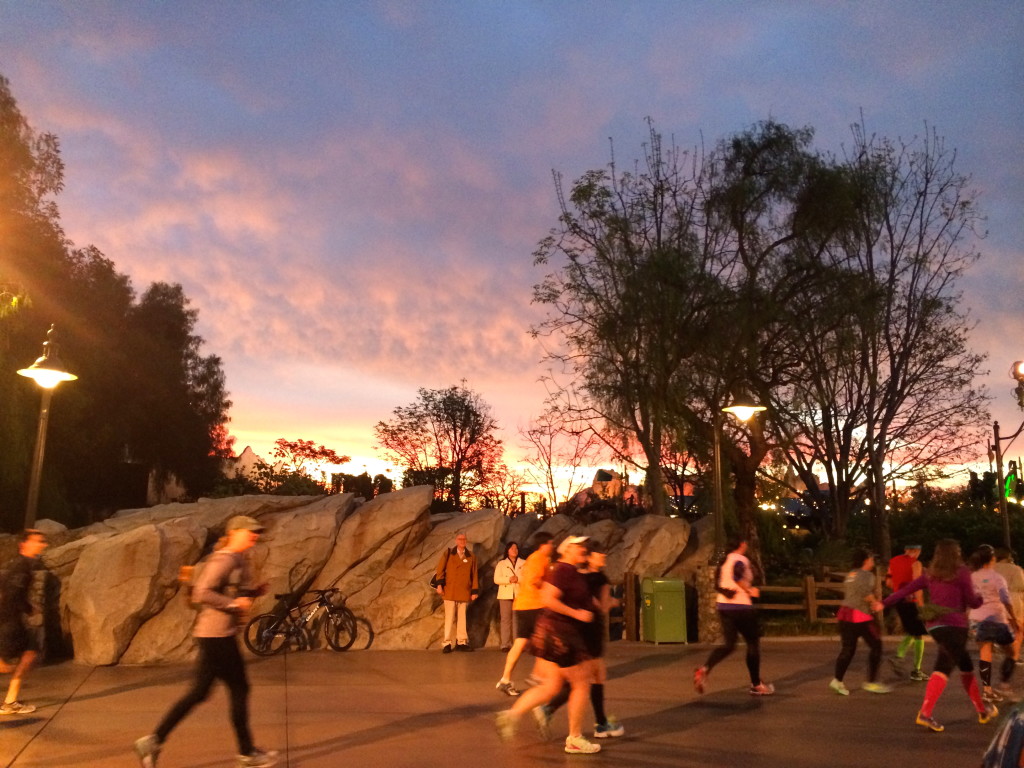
(559, 444)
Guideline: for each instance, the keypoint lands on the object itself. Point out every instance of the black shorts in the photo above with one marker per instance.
(525, 621)
(910, 619)
(594, 634)
(15, 639)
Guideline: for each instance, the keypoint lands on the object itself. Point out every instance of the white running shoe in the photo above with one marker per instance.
(577, 745)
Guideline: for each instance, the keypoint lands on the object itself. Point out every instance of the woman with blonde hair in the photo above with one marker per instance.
(950, 594)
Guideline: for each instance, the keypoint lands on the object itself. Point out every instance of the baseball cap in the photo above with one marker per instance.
(244, 522)
(569, 541)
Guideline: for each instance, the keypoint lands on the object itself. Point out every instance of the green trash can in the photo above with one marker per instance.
(663, 610)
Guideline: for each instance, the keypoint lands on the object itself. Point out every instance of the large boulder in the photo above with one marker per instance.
(699, 549)
(372, 537)
(165, 638)
(297, 543)
(120, 582)
(650, 547)
(519, 530)
(402, 608)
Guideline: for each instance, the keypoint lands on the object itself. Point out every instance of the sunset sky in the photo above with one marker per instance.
(350, 193)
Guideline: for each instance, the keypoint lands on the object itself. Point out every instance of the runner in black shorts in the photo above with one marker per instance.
(594, 637)
(558, 645)
(17, 641)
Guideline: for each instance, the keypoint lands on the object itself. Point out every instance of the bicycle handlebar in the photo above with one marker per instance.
(320, 592)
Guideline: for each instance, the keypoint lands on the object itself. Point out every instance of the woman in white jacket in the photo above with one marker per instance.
(506, 575)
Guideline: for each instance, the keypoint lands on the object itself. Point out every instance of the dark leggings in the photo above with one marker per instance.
(219, 657)
(849, 632)
(734, 623)
(952, 642)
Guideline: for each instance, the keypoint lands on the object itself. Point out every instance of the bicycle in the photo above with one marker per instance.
(270, 633)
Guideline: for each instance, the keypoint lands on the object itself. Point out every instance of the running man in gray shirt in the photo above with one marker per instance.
(224, 589)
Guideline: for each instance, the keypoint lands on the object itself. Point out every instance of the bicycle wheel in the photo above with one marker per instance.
(340, 628)
(267, 634)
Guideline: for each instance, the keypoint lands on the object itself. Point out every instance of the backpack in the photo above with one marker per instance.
(188, 576)
(436, 582)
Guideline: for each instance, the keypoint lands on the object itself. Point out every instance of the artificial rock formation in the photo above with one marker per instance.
(120, 600)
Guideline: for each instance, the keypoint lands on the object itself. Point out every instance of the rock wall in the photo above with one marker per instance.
(120, 600)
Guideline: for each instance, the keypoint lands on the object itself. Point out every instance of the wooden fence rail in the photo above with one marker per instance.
(810, 602)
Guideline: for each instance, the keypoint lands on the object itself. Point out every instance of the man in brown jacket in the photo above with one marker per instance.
(457, 584)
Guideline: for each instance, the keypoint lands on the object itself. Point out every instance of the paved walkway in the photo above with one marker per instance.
(425, 710)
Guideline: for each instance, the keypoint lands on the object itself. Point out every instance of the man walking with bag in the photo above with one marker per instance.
(220, 614)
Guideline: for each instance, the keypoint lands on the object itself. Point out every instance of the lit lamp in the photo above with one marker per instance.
(742, 410)
(48, 371)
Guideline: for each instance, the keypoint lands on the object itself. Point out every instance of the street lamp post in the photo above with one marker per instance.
(997, 445)
(742, 411)
(48, 371)
(710, 629)
(1017, 373)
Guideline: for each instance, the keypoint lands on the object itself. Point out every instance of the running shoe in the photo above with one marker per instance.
(930, 723)
(700, 678)
(507, 688)
(577, 745)
(258, 758)
(988, 694)
(762, 689)
(611, 728)
(1006, 691)
(16, 708)
(148, 749)
(918, 676)
(837, 686)
(505, 724)
(446, 648)
(991, 710)
(542, 716)
(872, 687)
(464, 647)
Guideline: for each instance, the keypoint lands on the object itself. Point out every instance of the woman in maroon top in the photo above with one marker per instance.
(559, 646)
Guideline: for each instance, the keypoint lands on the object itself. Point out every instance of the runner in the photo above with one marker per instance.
(526, 606)
(1014, 576)
(902, 570)
(855, 621)
(735, 590)
(562, 655)
(219, 655)
(951, 593)
(594, 635)
(992, 623)
(17, 640)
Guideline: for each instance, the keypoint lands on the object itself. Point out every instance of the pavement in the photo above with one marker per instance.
(422, 709)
